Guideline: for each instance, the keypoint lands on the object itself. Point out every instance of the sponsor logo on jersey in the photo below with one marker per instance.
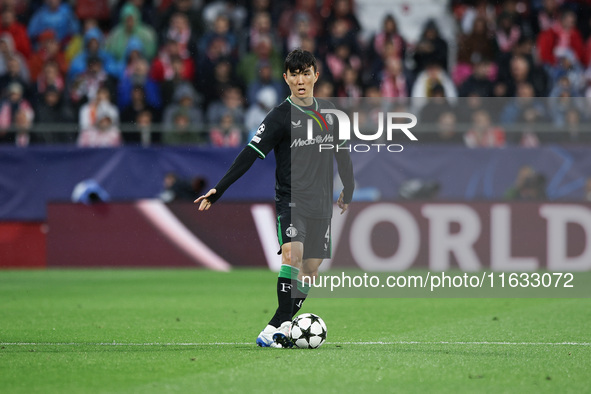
(296, 124)
(256, 139)
(319, 139)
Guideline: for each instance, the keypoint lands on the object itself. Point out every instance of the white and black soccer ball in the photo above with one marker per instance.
(308, 331)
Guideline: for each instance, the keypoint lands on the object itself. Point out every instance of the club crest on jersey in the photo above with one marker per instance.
(291, 231)
(261, 129)
(296, 124)
(329, 119)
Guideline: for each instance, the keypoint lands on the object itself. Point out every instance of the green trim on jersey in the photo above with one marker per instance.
(307, 112)
(279, 232)
(257, 150)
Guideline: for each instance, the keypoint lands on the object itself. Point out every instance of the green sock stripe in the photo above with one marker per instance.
(288, 272)
(304, 288)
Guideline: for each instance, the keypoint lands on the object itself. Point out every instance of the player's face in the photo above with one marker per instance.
(301, 82)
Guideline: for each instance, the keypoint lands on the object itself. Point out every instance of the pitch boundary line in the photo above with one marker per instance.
(499, 343)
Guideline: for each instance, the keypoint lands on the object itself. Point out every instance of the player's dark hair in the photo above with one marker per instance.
(299, 60)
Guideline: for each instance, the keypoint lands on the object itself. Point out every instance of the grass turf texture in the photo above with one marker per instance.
(137, 331)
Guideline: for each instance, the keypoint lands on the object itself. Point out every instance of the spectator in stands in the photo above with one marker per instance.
(227, 133)
(561, 103)
(480, 81)
(248, 67)
(52, 110)
(93, 47)
(393, 82)
(481, 9)
(447, 132)
(145, 134)
(338, 59)
(145, 8)
(85, 86)
(48, 51)
(130, 25)
(343, 10)
(350, 85)
(76, 44)
(56, 16)
(137, 105)
(430, 49)
(7, 53)
(428, 83)
(50, 76)
(162, 66)
(9, 24)
(222, 35)
(508, 33)
(104, 133)
(13, 74)
(305, 11)
(261, 28)
(323, 89)
(136, 74)
(302, 30)
(22, 125)
(168, 86)
(182, 132)
(339, 34)
(477, 47)
(13, 104)
(567, 66)
(524, 107)
(180, 31)
(435, 106)
(560, 36)
(519, 72)
(184, 103)
(266, 99)
(235, 12)
(88, 115)
(473, 102)
(389, 35)
(185, 7)
(265, 78)
(547, 17)
(232, 102)
(483, 134)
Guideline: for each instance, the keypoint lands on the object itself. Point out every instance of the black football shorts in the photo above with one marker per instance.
(312, 232)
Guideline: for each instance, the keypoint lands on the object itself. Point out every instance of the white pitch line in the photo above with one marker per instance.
(328, 343)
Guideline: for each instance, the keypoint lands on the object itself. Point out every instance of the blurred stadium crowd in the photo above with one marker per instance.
(111, 72)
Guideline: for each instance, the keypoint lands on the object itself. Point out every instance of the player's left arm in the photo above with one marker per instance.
(345, 168)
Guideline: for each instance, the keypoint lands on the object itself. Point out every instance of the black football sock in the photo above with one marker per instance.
(301, 292)
(286, 283)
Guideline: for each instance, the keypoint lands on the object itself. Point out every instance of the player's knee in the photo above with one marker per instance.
(289, 258)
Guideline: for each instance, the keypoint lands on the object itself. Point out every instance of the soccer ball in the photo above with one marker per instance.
(308, 331)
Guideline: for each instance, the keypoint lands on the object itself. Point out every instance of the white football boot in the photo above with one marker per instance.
(281, 336)
(265, 338)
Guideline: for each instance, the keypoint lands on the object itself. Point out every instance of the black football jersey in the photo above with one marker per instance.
(304, 175)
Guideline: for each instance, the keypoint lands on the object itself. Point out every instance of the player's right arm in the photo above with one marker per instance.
(268, 135)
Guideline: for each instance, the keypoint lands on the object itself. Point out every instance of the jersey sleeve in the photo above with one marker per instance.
(269, 133)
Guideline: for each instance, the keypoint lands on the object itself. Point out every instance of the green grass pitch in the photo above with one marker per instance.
(155, 331)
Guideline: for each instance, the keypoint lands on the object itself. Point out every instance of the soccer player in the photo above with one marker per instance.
(303, 189)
